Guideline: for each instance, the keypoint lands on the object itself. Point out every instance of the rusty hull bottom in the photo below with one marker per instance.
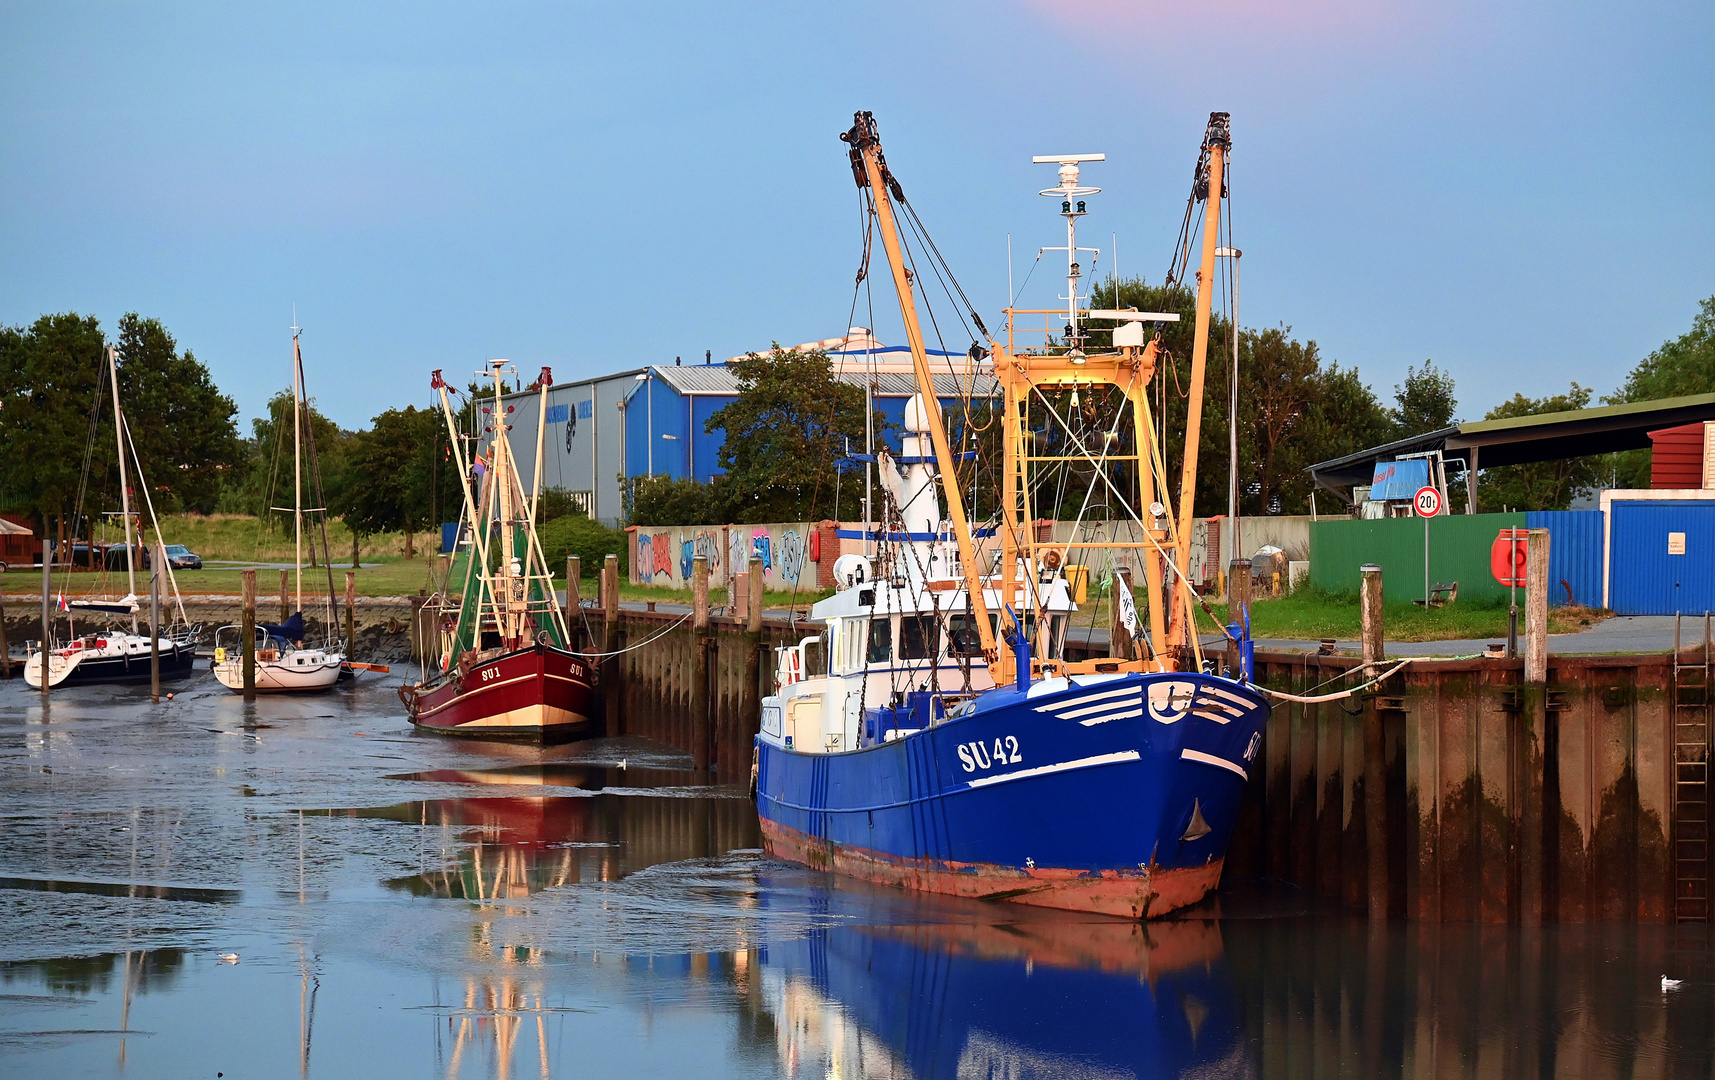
(1128, 894)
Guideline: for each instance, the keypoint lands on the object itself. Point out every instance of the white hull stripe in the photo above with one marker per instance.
(1132, 698)
(1064, 766)
(1211, 759)
(1127, 715)
(1206, 714)
(1085, 700)
(1236, 700)
(1220, 706)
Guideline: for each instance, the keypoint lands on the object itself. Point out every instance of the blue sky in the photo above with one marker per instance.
(1521, 192)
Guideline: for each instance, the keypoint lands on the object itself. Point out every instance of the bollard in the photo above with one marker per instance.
(247, 632)
(1375, 743)
(285, 611)
(750, 700)
(701, 756)
(155, 623)
(350, 612)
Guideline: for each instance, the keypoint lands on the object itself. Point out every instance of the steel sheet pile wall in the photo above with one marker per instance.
(650, 692)
(1503, 804)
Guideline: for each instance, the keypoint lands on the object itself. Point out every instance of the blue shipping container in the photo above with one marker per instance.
(1574, 554)
(1661, 557)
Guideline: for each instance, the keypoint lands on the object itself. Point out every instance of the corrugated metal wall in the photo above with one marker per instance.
(1574, 554)
(1458, 551)
(1649, 573)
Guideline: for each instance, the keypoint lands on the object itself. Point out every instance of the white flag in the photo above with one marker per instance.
(1128, 609)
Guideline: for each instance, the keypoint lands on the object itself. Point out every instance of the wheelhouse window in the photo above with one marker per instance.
(880, 640)
(963, 638)
(919, 637)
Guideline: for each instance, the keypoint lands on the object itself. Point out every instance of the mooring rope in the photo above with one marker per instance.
(640, 644)
(1337, 695)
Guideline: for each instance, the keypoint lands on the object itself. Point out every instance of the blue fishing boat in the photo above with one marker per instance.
(936, 734)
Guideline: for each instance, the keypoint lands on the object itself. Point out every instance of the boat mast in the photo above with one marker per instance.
(297, 472)
(867, 157)
(124, 486)
(1217, 139)
(503, 476)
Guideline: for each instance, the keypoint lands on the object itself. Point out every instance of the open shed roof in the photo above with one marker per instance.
(1523, 439)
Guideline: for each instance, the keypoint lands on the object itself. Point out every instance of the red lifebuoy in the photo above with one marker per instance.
(1507, 556)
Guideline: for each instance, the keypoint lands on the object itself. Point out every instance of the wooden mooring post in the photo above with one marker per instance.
(1532, 734)
(350, 612)
(5, 649)
(1238, 604)
(247, 632)
(1374, 632)
(701, 644)
(47, 604)
(750, 694)
(613, 694)
(155, 623)
(574, 601)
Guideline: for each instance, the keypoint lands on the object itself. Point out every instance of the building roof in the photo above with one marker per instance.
(1522, 439)
(718, 379)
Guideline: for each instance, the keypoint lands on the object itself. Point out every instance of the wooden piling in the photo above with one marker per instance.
(5, 649)
(574, 601)
(47, 604)
(612, 667)
(247, 633)
(155, 623)
(350, 612)
(699, 688)
(285, 598)
(1532, 740)
(1118, 636)
(750, 694)
(1238, 604)
(1375, 745)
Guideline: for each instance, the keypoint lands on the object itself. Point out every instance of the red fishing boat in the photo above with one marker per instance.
(505, 671)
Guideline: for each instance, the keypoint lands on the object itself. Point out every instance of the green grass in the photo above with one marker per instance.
(241, 538)
(1308, 615)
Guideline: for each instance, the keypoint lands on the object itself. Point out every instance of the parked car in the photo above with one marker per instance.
(180, 557)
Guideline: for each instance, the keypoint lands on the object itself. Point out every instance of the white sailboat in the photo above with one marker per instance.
(113, 655)
(284, 662)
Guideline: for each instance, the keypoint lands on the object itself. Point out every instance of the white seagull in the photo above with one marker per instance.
(1668, 985)
(232, 958)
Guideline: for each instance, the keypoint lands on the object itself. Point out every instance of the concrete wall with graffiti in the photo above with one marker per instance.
(663, 556)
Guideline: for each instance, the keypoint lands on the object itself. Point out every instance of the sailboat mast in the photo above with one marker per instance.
(1217, 139)
(866, 151)
(124, 485)
(297, 473)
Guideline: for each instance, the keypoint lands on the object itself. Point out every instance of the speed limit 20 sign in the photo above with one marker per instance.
(1427, 501)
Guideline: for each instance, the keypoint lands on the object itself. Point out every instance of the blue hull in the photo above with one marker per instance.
(959, 1000)
(1117, 795)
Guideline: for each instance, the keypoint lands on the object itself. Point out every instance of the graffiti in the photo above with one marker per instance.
(791, 556)
(709, 546)
(687, 550)
(762, 547)
(663, 552)
(738, 551)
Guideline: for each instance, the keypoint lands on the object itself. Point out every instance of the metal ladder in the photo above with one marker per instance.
(1691, 838)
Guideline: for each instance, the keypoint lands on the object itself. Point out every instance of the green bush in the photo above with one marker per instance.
(590, 540)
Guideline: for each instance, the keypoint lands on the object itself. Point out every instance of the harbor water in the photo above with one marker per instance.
(305, 887)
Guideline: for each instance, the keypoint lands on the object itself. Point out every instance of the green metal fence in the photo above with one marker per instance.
(1458, 551)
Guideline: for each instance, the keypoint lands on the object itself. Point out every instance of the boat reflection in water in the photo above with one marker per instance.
(510, 847)
(1048, 997)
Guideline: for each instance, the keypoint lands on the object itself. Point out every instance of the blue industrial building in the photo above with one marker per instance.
(652, 420)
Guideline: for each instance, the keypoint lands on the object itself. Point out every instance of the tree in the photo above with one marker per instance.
(49, 374)
(1293, 410)
(783, 434)
(1683, 366)
(1424, 402)
(1540, 485)
(265, 479)
(391, 474)
(666, 501)
(183, 426)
